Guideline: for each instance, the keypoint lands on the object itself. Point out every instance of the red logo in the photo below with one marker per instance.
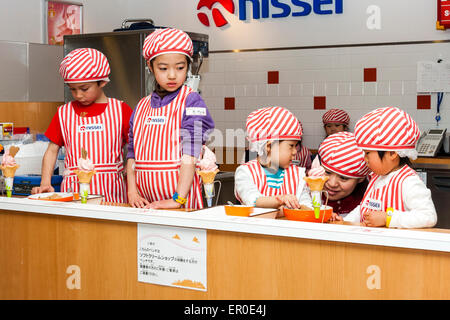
(82, 128)
(218, 18)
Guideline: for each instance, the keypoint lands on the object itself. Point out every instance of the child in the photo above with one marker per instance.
(167, 129)
(92, 121)
(271, 180)
(335, 120)
(347, 172)
(396, 196)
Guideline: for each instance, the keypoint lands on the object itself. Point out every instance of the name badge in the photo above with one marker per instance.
(159, 120)
(196, 111)
(96, 127)
(373, 204)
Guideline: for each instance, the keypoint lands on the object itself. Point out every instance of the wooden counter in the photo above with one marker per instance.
(248, 258)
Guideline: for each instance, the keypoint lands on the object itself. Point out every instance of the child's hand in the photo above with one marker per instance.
(136, 201)
(289, 200)
(336, 217)
(165, 204)
(374, 218)
(42, 189)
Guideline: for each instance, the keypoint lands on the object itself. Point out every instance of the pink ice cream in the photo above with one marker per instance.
(8, 160)
(316, 171)
(85, 164)
(208, 161)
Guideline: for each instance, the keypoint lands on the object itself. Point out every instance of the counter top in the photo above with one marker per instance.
(441, 162)
(413, 239)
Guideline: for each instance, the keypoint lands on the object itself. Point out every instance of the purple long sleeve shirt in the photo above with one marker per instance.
(195, 128)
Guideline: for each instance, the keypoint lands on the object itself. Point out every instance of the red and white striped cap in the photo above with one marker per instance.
(168, 40)
(340, 154)
(84, 65)
(336, 116)
(389, 129)
(273, 123)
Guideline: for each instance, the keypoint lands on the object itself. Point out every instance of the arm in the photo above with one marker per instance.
(48, 165)
(250, 195)
(419, 207)
(353, 216)
(134, 199)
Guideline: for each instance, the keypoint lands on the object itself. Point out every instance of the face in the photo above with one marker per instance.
(282, 152)
(87, 93)
(170, 70)
(331, 128)
(339, 187)
(381, 166)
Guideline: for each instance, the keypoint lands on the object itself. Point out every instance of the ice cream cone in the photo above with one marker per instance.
(208, 176)
(84, 176)
(315, 184)
(9, 171)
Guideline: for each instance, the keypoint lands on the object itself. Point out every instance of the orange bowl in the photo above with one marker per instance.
(239, 210)
(308, 215)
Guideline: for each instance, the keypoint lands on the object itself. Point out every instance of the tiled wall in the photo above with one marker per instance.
(310, 81)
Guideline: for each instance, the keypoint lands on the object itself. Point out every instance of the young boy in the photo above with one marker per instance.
(92, 121)
(396, 197)
(271, 180)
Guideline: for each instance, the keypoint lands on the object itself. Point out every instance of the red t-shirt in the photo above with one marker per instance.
(54, 132)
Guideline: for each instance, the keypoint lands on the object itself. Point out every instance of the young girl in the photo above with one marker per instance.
(347, 172)
(335, 120)
(167, 129)
(92, 121)
(271, 180)
(396, 196)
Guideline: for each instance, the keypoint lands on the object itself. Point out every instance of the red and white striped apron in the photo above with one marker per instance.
(101, 136)
(390, 195)
(290, 182)
(302, 158)
(157, 150)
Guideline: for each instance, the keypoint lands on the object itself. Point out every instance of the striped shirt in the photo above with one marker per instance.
(275, 180)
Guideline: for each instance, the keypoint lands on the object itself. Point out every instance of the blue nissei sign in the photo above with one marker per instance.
(296, 8)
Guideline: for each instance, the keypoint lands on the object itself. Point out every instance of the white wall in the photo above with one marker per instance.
(335, 73)
(401, 20)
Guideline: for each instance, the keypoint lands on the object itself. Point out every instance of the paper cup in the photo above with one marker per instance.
(209, 192)
(84, 192)
(9, 182)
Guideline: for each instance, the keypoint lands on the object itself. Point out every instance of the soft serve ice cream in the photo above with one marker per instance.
(316, 171)
(208, 161)
(207, 171)
(316, 180)
(9, 167)
(85, 172)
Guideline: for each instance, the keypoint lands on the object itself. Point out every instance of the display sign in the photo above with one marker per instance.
(443, 21)
(172, 256)
(262, 9)
(62, 18)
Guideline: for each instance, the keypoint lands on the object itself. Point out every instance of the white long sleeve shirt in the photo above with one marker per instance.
(419, 207)
(248, 191)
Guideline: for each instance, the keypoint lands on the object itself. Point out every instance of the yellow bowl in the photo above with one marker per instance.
(239, 210)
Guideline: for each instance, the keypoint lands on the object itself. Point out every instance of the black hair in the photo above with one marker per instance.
(403, 160)
(160, 91)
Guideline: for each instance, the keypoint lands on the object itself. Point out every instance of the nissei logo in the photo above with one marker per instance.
(90, 127)
(155, 120)
(372, 204)
(261, 9)
(218, 18)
